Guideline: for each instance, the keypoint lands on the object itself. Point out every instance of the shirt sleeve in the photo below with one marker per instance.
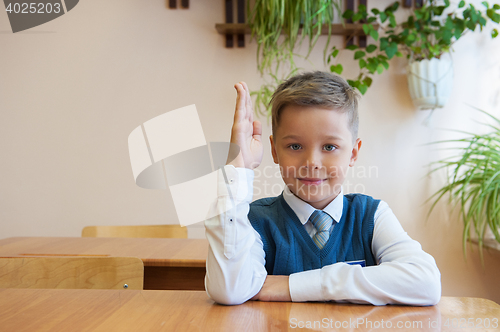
(236, 259)
(405, 274)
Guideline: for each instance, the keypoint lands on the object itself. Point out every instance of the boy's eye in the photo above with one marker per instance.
(294, 146)
(329, 147)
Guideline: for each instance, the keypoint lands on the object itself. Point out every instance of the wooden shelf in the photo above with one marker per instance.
(348, 29)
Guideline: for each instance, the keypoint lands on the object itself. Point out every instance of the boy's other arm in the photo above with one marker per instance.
(236, 259)
(405, 274)
(275, 289)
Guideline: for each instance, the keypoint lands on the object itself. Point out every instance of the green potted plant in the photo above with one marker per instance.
(474, 184)
(426, 37)
(279, 27)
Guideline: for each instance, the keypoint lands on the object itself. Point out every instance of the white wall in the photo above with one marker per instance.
(73, 89)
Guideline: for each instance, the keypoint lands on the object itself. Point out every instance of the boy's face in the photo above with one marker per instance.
(314, 148)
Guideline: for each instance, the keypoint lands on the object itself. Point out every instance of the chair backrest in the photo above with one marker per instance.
(72, 272)
(153, 231)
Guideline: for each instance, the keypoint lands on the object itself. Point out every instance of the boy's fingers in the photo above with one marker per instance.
(245, 93)
(248, 92)
(248, 101)
(257, 130)
(239, 113)
(244, 85)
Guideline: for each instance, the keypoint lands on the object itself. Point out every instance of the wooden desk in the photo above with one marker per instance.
(128, 310)
(168, 263)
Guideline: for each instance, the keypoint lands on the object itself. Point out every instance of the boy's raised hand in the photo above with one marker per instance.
(246, 132)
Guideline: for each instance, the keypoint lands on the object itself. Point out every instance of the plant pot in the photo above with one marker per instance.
(430, 82)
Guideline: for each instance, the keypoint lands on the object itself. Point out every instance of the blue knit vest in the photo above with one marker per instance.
(290, 249)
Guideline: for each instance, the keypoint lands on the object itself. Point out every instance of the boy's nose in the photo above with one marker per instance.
(313, 161)
(312, 164)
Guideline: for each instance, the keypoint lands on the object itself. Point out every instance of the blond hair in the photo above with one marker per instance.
(320, 89)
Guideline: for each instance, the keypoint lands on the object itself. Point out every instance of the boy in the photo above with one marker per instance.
(311, 243)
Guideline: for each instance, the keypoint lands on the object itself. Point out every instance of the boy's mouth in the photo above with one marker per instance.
(311, 181)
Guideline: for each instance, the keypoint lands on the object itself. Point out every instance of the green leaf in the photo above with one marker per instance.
(439, 10)
(374, 34)
(447, 36)
(371, 48)
(461, 4)
(385, 64)
(337, 69)
(352, 47)
(384, 42)
(391, 50)
(494, 16)
(383, 17)
(371, 19)
(380, 68)
(375, 11)
(494, 33)
(348, 14)
(485, 4)
(359, 55)
(368, 81)
(372, 67)
(449, 23)
(393, 7)
(352, 83)
(367, 28)
(490, 12)
(356, 17)
(399, 54)
(392, 21)
(496, 6)
(362, 88)
(335, 52)
(362, 63)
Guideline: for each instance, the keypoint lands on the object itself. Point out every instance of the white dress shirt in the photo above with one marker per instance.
(404, 273)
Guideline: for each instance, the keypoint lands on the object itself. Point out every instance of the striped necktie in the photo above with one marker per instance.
(322, 221)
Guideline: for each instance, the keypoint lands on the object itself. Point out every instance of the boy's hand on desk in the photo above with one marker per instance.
(246, 132)
(275, 289)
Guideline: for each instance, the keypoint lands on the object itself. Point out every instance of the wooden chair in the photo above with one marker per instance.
(153, 231)
(72, 272)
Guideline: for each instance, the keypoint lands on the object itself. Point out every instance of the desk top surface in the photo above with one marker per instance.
(129, 310)
(152, 251)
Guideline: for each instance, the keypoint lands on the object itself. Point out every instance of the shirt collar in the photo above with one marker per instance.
(304, 210)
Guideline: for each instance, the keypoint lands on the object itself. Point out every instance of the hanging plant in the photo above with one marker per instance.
(279, 27)
(428, 33)
(474, 183)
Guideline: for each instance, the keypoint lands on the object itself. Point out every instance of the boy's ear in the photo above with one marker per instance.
(355, 151)
(273, 150)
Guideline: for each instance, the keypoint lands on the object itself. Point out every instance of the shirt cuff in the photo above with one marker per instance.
(305, 286)
(236, 183)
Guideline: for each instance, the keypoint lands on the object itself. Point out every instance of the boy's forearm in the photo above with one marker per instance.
(233, 276)
(275, 289)
(235, 262)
